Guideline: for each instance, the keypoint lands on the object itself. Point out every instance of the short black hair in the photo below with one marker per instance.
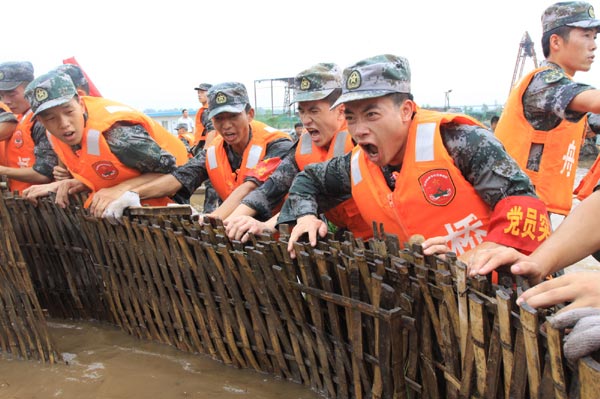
(298, 124)
(562, 31)
(494, 118)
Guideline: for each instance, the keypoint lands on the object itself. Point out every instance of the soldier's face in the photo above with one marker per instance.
(234, 128)
(320, 121)
(577, 53)
(15, 99)
(65, 121)
(380, 127)
(202, 97)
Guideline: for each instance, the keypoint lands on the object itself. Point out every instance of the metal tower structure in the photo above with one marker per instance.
(526, 49)
(288, 84)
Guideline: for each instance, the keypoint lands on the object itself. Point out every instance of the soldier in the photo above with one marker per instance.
(418, 172)
(229, 161)
(28, 156)
(186, 137)
(108, 147)
(204, 133)
(203, 124)
(82, 85)
(543, 122)
(316, 90)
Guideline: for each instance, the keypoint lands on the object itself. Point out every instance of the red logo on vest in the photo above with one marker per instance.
(106, 170)
(438, 187)
(18, 139)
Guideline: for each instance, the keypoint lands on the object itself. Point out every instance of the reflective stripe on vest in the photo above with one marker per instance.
(93, 142)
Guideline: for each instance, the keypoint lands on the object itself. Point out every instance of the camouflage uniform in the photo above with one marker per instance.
(45, 157)
(6, 116)
(479, 156)
(312, 84)
(194, 173)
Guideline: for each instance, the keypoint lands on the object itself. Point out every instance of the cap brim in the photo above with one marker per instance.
(236, 109)
(6, 86)
(311, 95)
(53, 103)
(361, 95)
(586, 24)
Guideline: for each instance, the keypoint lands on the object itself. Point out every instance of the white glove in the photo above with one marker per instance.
(584, 338)
(114, 210)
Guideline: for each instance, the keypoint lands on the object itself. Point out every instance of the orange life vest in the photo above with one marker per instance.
(222, 177)
(95, 165)
(556, 175)
(187, 136)
(589, 182)
(199, 132)
(431, 196)
(345, 214)
(19, 150)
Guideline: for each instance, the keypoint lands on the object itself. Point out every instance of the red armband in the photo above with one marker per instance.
(264, 169)
(520, 222)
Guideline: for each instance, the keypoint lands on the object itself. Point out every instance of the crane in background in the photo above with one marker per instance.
(526, 49)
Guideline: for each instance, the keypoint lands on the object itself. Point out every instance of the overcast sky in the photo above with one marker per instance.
(151, 54)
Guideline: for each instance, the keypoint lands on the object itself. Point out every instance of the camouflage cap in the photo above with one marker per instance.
(181, 126)
(203, 86)
(375, 77)
(49, 90)
(578, 14)
(13, 73)
(227, 97)
(76, 74)
(317, 82)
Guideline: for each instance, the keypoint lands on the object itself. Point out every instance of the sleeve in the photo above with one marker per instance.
(45, 157)
(270, 194)
(134, 146)
(547, 98)
(192, 174)
(7, 116)
(320, 186)
(519, 218)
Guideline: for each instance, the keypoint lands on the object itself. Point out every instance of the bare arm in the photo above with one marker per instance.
(586, 101)
(27, 175)
(574, 239)
(233, 200)
(7, 129)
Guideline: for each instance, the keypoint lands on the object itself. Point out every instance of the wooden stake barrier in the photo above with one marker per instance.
(349, 319)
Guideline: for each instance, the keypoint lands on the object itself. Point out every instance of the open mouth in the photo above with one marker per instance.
(370, 149)
(314, 134)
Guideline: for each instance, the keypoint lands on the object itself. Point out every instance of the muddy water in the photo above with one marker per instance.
(103, 362)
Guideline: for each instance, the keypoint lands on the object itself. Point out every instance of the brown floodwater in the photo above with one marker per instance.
(103, 362)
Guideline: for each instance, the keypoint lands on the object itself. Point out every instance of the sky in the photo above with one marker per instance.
(151, 54)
